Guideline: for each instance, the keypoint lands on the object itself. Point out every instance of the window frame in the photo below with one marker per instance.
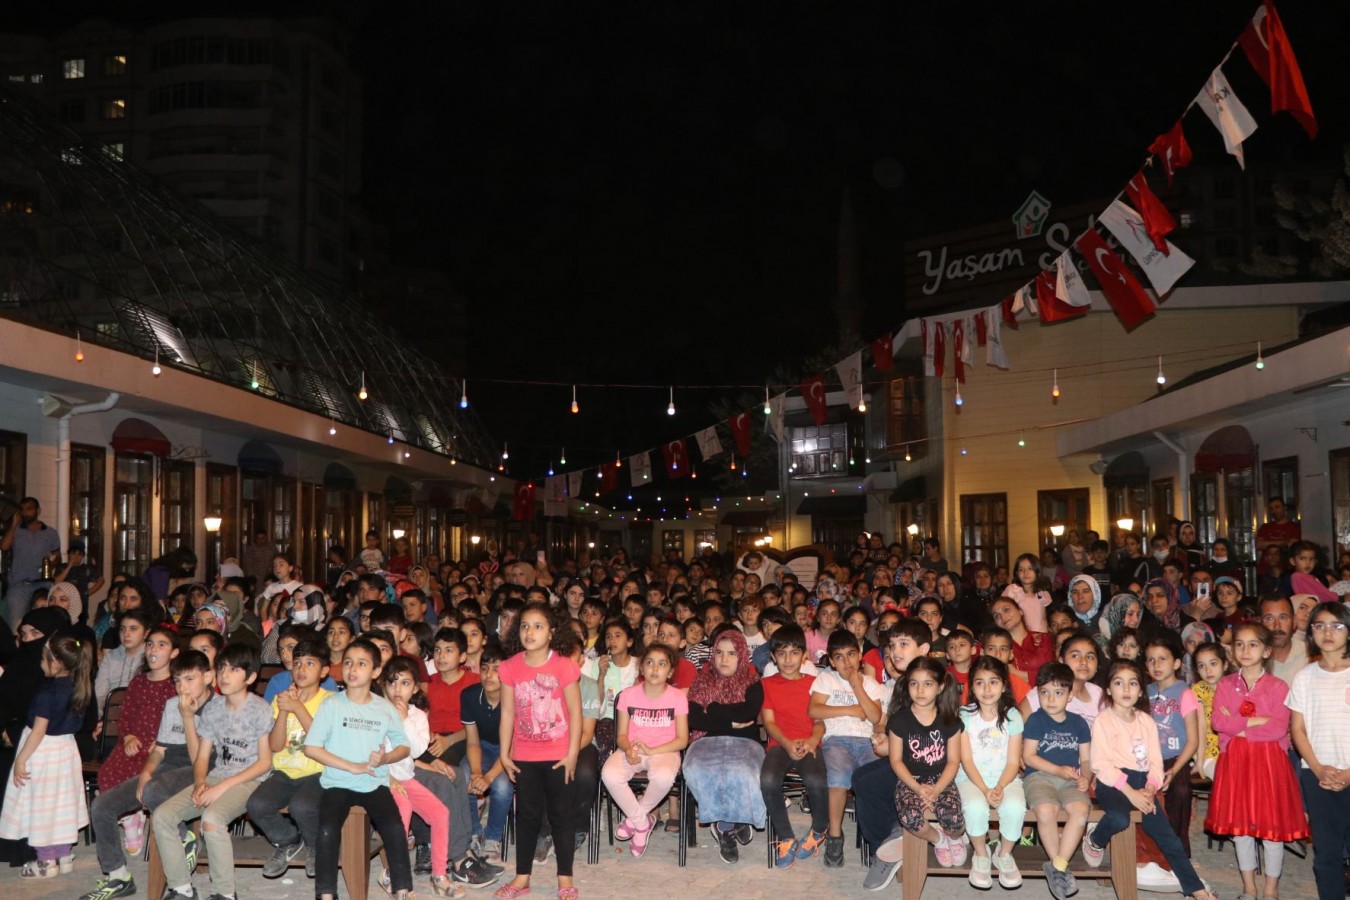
(998, 549)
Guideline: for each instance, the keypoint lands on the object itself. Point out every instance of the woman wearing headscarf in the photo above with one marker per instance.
(65, 595)
(1162, 611)
(723, 762)
(306, 607)
(1123, 611)
(1188, 547)
(241, 626)
(1085, 600)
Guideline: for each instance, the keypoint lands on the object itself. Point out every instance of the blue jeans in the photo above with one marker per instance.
(498, 797)
(1117, 808)
(874, 799)
(1329, 817)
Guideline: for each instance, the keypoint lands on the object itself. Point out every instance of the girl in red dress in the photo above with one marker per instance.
(1255, 793)
(1031, 649)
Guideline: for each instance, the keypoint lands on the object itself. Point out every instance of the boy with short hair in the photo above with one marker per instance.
(793, 738)
(235, 731)
(291, 636)
(1099, 566)
(1055, 746)
(372, 557)
(850, 705)
(998, 643)
(294, 782)
(960, 654)
(167, 770)
(770, 620)
(389, 618)
(747, 614)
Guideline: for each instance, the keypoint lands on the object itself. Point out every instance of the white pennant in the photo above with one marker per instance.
(574, 484)
(640, 468)
(1069, 286)
(850, 376)
(555, 496)
(968, 332)
(1127, 226)
(994, 354)
(929, 336)
(1227, 113)
(709, 444)
(776, 418)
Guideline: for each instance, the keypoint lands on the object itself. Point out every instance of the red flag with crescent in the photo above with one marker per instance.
(813, 390)
(677, 458)
(609, 477)
(1123, 291)
(523, 508)
(740, 430)
(883, 353)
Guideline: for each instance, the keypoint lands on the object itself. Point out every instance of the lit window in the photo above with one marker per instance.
(116, 108)
(35, 78)
(19, 78)
(115, 150)
(72, 68)
(115, 64)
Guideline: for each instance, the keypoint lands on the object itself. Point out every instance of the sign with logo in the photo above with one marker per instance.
(982, 265)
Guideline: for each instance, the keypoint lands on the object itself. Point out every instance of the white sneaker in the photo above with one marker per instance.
(1092, 855)
(1009, 877)
(1154, 878)
(980, 867)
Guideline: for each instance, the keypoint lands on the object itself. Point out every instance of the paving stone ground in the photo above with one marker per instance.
(657, 875)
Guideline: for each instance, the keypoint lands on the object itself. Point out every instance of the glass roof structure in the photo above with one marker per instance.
(90, 245)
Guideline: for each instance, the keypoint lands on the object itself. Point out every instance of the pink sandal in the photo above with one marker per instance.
(510, 892)
(568, 893)
(641, 835)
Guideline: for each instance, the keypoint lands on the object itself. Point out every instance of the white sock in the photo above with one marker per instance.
(184, 888)
(119, 874)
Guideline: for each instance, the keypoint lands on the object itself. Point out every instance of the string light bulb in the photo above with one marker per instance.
(1021, 441)
(959, 400)
(618, 461)
(862, 405)
(733, 463)
(670, 409)
(155, 369)
(1054, 390)
(768, 407)
(362, 394)
(254, 383)
(506, 453)
(391, 439)
(79, 348)
(464, 395)
(332, 429)
(562, 457)
(1162, 379)
(1260, 360)
(550, 470)
(575, 409)
(908, 458)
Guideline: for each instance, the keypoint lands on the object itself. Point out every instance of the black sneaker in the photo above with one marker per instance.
(488, 867)
(543, 848)
(280, 860)
(471, 873)
(171, 894)
(834, 852)
(422, 860)
(744, 834)
(726, 846)
(108, 888)
(190, 848)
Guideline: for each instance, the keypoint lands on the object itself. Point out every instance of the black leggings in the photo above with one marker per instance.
(540, 788)
(380, 808)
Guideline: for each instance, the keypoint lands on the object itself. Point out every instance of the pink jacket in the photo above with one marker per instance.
(1267, 698)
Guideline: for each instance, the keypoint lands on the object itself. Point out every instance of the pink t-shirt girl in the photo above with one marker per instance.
(541, 726)
(652, 721)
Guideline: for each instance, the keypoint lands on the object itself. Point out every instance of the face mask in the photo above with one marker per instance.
(300, 616)
(1160, 555)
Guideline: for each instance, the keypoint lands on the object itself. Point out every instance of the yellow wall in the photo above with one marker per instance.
(1101, 369)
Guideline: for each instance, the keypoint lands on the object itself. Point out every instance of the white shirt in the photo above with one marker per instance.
(418, 729)
(1298, 658)
(1323, 699)
(838, 692)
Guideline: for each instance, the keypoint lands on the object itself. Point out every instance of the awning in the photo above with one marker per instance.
(258, 458)
(833, 505)
(1126, 470)
(139, 436)
(911, 490)
(1229, 449)
(746, 518)
(338, 477)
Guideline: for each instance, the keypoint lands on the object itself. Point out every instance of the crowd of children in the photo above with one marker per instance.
(933, 714)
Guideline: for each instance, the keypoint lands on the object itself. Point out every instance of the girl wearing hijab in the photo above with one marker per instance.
(724, 759)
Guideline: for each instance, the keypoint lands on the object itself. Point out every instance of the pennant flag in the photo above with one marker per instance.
(1123, 291)
(994, 354)
(929, 367)
(640, 469)
(1162, 268)
(1025, 299)
(1171, 148)
(813, 391)
(959, 349)
(677, 459)
(1051, 307)
(740, 432)
(491, 493)
(1226, 111)
(1158, 221)
(982, 328)
(609, 477)
(1268, 50)
(850, 376)
(523, 507)
(883, 352)
(709, 444)
(574, 484)
(1009, 315)
(775, 422)
(555, 495)
(939, 348)
(1069, 287)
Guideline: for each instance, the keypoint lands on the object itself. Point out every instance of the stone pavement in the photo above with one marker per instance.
(656, 875)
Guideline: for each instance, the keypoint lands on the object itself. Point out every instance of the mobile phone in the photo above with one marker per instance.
(1202, 590)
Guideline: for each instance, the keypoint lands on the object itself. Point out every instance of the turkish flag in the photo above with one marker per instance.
(523, 508)
(959, 349)
(1268, 50)
(1123, 291)
(1158, 220)
(939, 348)
(740, 430)
(677, 458)
(813, 389)
(1052, 308)
(883, 353)
(609, 477)
(1009, 317)
(982, 329)
(1172, 150)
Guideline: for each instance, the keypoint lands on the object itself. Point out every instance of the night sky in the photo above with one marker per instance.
(649, 192)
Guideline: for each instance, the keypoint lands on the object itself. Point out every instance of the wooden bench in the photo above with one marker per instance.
(358, 846)
(1118, 867)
